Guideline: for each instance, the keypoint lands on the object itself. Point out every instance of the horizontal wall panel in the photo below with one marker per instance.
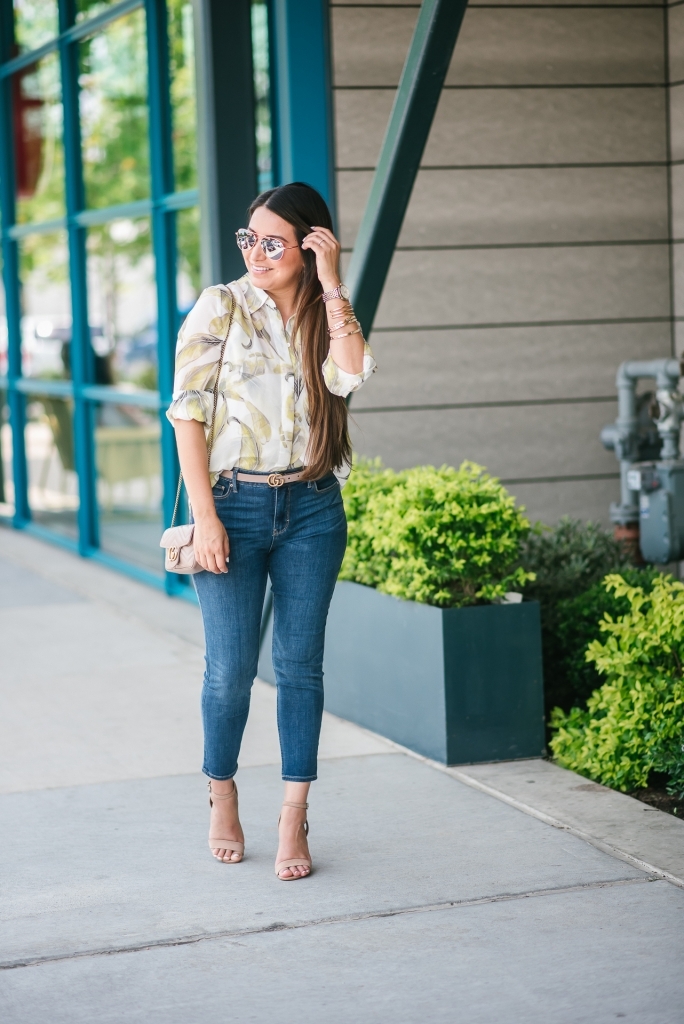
(678, 276)
(514, 126)
(514, 46)
(675, 33)
(490, 207)
(555, 46)
(520, 285)
(579, 499)
(505, 364)
(678, 201)
(677, 121)
(370, 44)
(510, 442)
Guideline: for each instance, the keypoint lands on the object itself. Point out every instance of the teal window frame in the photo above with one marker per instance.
(164, 202)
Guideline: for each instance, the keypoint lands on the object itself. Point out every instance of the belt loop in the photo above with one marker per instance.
(234, 480)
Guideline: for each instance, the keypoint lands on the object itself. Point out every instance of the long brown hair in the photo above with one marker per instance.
(329, 442)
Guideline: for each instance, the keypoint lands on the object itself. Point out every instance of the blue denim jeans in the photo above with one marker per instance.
(296, 534)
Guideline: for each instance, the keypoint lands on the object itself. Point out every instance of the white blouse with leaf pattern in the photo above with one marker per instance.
(261, 415)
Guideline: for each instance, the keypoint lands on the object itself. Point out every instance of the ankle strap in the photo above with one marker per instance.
(288, 803)
(222, 796)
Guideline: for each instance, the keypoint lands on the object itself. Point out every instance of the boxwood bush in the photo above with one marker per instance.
(633, 726)
(445, 537)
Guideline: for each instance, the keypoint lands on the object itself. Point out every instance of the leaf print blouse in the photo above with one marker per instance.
(261, 414)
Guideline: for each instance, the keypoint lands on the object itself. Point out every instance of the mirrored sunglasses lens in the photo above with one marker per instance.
(272, 248)
(245, 239)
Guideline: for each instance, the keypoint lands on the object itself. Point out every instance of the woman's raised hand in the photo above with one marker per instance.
(211, 544)
(327, 249)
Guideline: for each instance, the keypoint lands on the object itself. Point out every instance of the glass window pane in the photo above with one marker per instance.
(129, 489)
(262, 93)
(89, 8)
(3, 322)
(46, 306)
(39, 153)
(114, 114)
(122, 301)
(35, 21)
(188, 259)
(6, 477)
(53, 484)
(183, 99)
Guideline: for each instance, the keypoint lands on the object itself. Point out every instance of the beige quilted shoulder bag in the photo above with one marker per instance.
(178, 540)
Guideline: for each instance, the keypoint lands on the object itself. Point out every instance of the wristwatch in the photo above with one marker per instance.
(341, 292)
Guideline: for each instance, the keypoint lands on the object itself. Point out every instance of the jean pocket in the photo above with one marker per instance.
(221, 489)
(327, 483)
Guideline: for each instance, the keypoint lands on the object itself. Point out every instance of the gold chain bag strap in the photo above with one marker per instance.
(178, 540)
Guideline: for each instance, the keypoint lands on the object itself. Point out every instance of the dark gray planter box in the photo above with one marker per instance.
(458, 685)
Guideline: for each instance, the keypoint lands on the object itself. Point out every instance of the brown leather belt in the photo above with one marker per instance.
(272, 479)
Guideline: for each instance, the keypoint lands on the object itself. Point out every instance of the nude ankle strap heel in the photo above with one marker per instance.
(218, 843)
(296, 861)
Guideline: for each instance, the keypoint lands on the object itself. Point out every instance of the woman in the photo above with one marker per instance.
(270, 504)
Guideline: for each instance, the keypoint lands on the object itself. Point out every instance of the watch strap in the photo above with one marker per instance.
(335, 293)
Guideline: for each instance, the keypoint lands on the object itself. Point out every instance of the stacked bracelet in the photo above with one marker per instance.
(343, 317)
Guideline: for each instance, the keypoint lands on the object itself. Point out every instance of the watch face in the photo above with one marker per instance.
(344, 291)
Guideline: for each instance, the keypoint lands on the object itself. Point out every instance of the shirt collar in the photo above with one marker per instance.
(255, 297)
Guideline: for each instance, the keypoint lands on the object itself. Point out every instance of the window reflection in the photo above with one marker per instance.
(262, 93)
(188, 265)
(114, 113)
(3, 324)
(183, 99)
(53, 484)
(89, 8)
(39, 154)
(35, 21)
(122, 302)
(6, 475)
(46, 306)
(129, 488)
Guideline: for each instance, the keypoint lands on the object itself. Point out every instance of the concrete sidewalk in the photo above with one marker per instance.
(490, 893)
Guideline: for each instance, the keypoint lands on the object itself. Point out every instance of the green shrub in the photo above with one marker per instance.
(568, 558)
(444, 537)
(568, 561)
(633, 725)
(577, 622)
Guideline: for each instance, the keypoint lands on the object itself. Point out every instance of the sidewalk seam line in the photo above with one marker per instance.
(279, 926)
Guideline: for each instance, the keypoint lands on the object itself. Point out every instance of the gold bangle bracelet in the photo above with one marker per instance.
(357, 330)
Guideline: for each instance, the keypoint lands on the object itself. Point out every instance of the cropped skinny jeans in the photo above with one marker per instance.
(296, 535)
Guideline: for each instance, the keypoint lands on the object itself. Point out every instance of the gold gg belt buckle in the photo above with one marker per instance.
(275, 480)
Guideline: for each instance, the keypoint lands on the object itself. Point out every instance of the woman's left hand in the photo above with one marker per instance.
(327, 249)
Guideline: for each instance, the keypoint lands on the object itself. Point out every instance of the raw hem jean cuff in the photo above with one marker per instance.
(219, 778)
(299, 778)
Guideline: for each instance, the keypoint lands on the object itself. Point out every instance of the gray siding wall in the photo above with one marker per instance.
(675, 34)
(535, 255)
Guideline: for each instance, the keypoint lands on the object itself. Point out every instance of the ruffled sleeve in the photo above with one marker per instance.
(197, 354)
(341, 383)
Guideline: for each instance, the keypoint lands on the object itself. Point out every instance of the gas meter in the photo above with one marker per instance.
(651, 470)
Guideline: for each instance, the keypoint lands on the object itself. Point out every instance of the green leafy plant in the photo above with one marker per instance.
(568, 560)
(633, 725)
(446, 537)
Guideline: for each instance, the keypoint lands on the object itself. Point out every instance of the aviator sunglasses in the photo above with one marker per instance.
(273, 247)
